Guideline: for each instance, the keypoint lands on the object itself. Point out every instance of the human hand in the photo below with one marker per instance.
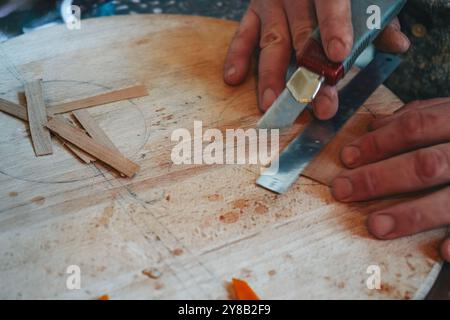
(280, 25)
(406, 152)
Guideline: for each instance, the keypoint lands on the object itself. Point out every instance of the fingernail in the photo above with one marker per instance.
(230, 72)
(351, 155)
(268, 98)
(322, 104)
(382, 225)
(341, 188)
(405, 43)
(337, 50)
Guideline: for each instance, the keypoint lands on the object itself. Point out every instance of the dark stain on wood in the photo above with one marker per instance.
(229, 217)
(177, 252)
(104, 219)
(39, 200)
(240, 204)
(261, 208)
(152, 273)
(215, 197)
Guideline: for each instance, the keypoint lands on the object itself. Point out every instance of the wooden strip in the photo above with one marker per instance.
(83, 156)
(104, 98)
(82, 141)
(77, 151)
(13, 109)
(93, 129)
(37, 118)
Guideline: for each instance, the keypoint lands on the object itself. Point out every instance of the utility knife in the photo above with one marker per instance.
(369, 18)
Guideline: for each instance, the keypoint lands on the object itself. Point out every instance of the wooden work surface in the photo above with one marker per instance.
(195, 226)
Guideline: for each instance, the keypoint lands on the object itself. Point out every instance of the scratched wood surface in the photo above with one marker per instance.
(191, 228)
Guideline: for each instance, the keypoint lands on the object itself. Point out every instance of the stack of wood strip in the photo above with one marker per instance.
(88, 142)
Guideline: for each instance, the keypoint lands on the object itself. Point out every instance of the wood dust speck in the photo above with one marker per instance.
(215, 197)
(152, 273)
(159, 286)
(261, 208)
(240, 204)
(229, 217)
(105, 217)
(38, 200)
(177, 252)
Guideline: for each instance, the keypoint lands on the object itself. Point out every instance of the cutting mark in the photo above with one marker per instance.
(131, 198)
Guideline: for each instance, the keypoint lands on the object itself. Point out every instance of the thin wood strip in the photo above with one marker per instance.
(82, 141)
(37, 118)
(83, 156)
(86, 158)
(104, 98)
(13, 109)
(93, 129)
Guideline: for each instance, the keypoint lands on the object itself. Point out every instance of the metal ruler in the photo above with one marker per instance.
(303, 149)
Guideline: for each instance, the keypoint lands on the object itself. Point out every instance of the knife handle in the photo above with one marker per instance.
(313, 56)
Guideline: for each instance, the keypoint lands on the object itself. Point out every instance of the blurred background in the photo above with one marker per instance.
(425, 72)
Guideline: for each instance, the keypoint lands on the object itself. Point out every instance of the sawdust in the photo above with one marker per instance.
(229, 217)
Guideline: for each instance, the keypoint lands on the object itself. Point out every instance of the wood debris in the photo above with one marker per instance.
(104, 98)
(90, 145)
(37, 117)
(242, 290)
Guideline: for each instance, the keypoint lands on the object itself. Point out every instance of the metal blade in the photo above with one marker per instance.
(282, 113)
(299, 153)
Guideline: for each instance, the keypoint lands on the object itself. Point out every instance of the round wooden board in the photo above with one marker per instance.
(195, 226)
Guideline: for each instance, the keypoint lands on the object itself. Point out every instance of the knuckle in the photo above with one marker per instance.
(272, 37)
(301, 32)
(371, 183)
(414, 219)
(412, 124)
(430, 164)
(371, 145)
(336, 26)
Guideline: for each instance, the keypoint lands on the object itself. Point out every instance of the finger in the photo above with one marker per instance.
(336, 29)
(275, 52)
(240, 51)
(392, 39)
(411, 217)
(445, 250)
(413, 129)
(408, 172)
(414, 105)
(325, 104)
(302, 19)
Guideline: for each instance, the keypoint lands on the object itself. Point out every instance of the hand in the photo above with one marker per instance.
(278, 26)
(408, 151)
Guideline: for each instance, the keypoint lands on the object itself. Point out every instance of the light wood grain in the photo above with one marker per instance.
(198, 226)
(37, 118)
(104, 98)
(87, 144)
(93, 129)
(13, 109)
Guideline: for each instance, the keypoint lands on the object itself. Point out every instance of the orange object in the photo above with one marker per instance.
(103, 297)
(243, 291)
